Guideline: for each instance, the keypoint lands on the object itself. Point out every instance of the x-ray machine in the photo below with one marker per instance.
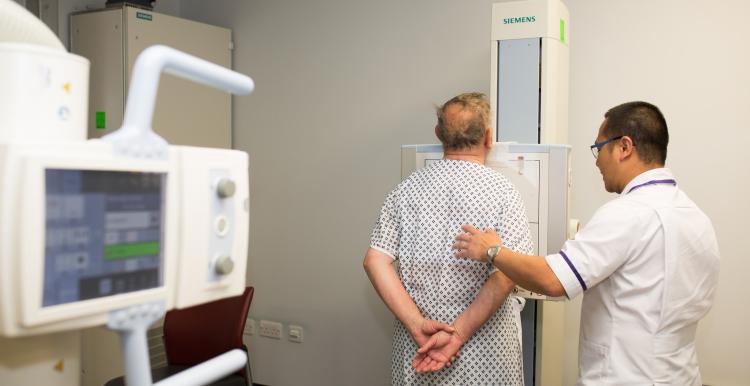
(112, 231)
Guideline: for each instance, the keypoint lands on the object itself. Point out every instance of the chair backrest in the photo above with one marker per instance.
(199, 333)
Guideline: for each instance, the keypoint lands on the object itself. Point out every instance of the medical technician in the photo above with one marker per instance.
(648, 261)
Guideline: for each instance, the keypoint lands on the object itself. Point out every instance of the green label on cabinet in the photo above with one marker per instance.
(144, 16)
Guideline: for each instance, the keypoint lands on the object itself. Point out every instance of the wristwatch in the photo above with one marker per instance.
(492, 252)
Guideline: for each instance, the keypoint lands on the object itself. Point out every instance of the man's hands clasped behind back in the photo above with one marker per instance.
(439, 346)
(439, 343)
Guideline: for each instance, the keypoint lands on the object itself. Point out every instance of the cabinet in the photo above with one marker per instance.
(186, 113)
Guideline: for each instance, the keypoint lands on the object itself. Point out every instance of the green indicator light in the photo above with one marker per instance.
(562, 30)
(101, 120)
(126, 251)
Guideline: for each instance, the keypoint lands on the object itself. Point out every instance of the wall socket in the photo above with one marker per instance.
(249, 327)
(270, 329)
(296, 334)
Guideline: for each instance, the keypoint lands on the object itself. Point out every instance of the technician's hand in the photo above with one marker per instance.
(440, 351)
(475, 243)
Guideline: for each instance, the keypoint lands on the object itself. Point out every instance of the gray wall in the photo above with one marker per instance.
(342, 84)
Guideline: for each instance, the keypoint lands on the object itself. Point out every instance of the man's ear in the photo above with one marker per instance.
(627, 149)
(436, 133)
(488, 138)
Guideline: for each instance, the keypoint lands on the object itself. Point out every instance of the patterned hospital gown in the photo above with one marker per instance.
(416, 227)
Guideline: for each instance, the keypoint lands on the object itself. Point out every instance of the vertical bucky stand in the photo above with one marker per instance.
(136, 139)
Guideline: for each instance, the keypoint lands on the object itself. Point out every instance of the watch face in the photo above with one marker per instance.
(491, 253)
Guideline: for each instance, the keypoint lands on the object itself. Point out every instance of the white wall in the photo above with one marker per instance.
(691, 58)
(342, 84)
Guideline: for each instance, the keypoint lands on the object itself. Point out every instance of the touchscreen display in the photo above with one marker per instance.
(104, 233)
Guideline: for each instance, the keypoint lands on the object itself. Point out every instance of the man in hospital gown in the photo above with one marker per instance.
(647, 261)
(416, 227)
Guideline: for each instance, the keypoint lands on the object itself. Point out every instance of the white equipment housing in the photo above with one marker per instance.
(198, 227)
(529, 98)
(45, 94)
(529, 77)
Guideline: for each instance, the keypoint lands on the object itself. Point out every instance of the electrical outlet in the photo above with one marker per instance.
(249, 327)
(296, 334)
(270, 329)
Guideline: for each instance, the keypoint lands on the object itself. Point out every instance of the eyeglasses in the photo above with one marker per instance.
(596, 146)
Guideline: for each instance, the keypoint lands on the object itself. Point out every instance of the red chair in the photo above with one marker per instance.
(196, 334)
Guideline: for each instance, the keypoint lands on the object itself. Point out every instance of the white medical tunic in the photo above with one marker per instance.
(648, 263)
(417, 226)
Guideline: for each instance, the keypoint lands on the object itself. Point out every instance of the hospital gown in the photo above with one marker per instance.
(417, 225)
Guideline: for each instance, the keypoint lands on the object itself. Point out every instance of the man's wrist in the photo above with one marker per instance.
(459, 333)
(414, 325)
(492, 253)
(459, 337)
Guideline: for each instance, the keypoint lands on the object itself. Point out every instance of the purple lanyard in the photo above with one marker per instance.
(654, 182)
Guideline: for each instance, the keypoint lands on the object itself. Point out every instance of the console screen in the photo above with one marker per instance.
(104, 233)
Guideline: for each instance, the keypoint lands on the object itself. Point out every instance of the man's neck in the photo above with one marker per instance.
(471, 155)
(637, 171)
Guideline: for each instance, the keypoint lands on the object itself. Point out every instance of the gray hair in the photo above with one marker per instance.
(465, 130)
